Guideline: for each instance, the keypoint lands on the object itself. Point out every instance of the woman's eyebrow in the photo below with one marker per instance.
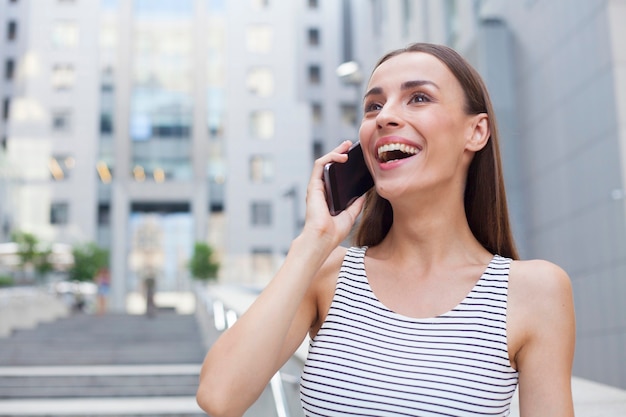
(407, 85)
(373, 91)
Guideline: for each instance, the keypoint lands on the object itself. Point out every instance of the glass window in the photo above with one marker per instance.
(318, 148)
(61, 167)
(6, 104)
(261, 169)
(104, 214)
(315, 74)
(11, 30)
(106, 123)
(64, 34)
(59, 213)
(316, 113)
(9, 69)
(349, 114)
(260, 82)
(259, 39)
(63, 76)
(262, 124)
(262, 261)
(108, 35)
(314, 37)
(261, 213)
(61, 120)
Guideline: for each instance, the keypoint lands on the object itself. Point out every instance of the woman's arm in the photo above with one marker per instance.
(542, 305)
(245, 357)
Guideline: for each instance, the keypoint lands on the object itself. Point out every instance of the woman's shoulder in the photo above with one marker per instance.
(538, 283)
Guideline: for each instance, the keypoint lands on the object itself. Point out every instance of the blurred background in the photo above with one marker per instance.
(142, 132)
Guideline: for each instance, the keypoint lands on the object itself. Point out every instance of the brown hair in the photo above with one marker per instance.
(485, 200)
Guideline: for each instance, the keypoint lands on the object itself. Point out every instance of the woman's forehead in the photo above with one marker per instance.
(412, 66)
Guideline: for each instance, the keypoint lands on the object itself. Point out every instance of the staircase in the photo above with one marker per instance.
(111, 365)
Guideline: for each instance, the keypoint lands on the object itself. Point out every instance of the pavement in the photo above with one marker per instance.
(130, 365)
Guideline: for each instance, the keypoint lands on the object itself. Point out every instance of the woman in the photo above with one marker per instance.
(431, 314)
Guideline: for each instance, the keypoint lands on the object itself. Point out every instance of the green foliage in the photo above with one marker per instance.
(6, 281)
(26, 247)
(202, 265)
(28, 250)
(88, 259)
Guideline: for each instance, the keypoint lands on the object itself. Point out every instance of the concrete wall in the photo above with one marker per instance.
(569, 65)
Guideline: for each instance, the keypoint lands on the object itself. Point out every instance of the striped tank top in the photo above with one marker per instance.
(367, 360)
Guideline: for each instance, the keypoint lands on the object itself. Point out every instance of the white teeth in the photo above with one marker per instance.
(408, 149)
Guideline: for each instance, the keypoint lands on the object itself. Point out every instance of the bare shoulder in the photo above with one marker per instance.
(540, 304)
(538, 281)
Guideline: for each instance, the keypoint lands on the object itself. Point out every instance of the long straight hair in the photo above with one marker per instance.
(485, 198)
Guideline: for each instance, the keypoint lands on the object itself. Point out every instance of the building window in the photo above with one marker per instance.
(262, 124)
(259, 39)
(63, 76)
(317, 113)
(59, 213)
(104, 214)
(12, 30)
(349, 114)
(61, 120)
(6, 105)
(61, 166)
(64, 34)
(106, 123)
(261, 213)
(260, 82)
(261, 169)
(315, 74)
(262, 262)
(314, 37)
(9, 69)
(318, 148)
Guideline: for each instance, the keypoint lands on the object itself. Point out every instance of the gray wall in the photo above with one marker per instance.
(570, 164)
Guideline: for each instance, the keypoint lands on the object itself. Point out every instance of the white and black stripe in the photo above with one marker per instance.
(367, 360)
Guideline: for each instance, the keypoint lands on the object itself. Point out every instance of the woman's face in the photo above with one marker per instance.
(414, 131)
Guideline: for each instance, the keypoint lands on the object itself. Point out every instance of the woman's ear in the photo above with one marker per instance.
(479, 132)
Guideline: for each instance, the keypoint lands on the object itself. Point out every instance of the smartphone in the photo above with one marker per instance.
(345, 182)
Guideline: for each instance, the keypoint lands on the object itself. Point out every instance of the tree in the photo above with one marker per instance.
(28, 250)
(89, 258)
(202, 265)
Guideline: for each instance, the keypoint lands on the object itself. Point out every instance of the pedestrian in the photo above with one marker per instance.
(103, 284)
(430, 313)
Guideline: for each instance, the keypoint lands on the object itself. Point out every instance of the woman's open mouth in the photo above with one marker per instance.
(395, 151)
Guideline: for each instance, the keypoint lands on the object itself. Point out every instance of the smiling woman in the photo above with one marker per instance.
(431, 313)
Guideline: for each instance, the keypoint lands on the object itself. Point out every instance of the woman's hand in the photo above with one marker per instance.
(319, 224)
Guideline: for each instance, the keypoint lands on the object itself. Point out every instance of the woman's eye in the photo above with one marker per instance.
(372, 107)
(419, 98)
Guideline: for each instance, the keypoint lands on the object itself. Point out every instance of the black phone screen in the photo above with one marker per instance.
(347, 181)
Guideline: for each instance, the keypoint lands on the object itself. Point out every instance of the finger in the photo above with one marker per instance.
(339, 154)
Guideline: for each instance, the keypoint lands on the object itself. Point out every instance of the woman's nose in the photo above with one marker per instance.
(388, 116)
